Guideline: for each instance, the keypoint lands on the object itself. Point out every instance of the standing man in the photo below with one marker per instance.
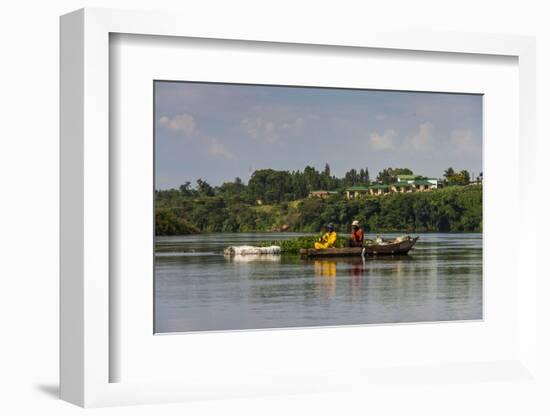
(357, 237)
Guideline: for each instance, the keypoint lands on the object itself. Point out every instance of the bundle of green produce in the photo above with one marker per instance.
(294, 245)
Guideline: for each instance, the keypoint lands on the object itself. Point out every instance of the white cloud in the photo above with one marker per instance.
(182, 123)
(256, 127)
(465, 142)
(423, 140)
(271, 131)
(382, 141)
(185, 125)
(217, 149)
(294, 126)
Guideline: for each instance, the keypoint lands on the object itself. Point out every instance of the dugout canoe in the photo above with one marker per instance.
(372, 248)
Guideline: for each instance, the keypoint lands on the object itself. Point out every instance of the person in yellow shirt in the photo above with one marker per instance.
(327, 240)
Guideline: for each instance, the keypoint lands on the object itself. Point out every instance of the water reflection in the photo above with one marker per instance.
(324, 268)
(325, 274)
(197, 288)
(255, 258)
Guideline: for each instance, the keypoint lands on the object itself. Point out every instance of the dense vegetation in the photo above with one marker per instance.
(275, 200)
(294, 245)
(274, 186)
(172, 222)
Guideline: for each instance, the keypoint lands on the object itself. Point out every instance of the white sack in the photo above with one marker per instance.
(247, 250)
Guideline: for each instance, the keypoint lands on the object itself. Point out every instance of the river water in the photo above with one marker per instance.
(197, 288)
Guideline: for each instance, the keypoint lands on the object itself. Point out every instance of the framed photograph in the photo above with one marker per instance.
(235, 206)
(266, 215)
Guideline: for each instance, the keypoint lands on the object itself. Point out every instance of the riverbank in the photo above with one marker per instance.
(168, 222)
(450, 209)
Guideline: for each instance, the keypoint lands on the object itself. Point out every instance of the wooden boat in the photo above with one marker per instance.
(397, 246)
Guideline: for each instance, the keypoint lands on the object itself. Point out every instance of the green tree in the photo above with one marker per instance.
(351, 177)
(389, 175)
(457, 178)
(203, 188)
(465, 176)
(168, 223)
(185, 189)
(449, 173)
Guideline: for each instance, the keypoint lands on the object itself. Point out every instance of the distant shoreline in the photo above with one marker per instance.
(456, 209)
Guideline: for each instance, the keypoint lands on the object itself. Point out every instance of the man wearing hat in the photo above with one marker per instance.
(357, 238)
(327, 240)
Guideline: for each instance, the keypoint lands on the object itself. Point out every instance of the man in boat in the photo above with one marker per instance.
(357, 238)
(327, 240)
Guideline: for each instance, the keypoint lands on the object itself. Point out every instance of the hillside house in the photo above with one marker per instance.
(322, 194)
(404, 184)
(402, 187)
(357, 192)
(379, 189)
(418, 180)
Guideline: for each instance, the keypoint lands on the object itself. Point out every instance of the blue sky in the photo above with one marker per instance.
(221, 131)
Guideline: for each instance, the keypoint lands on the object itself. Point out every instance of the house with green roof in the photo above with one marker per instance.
(418, 181)
(402, 187)
(355, 192)
(407, 178)
(379, 189)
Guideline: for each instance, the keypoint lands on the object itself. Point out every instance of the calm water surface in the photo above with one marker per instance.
(197, 288)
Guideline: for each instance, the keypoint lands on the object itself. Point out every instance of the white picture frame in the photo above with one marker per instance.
(86, 301)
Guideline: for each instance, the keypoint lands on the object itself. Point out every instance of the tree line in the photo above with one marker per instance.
(275, 186)
(235, 206)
